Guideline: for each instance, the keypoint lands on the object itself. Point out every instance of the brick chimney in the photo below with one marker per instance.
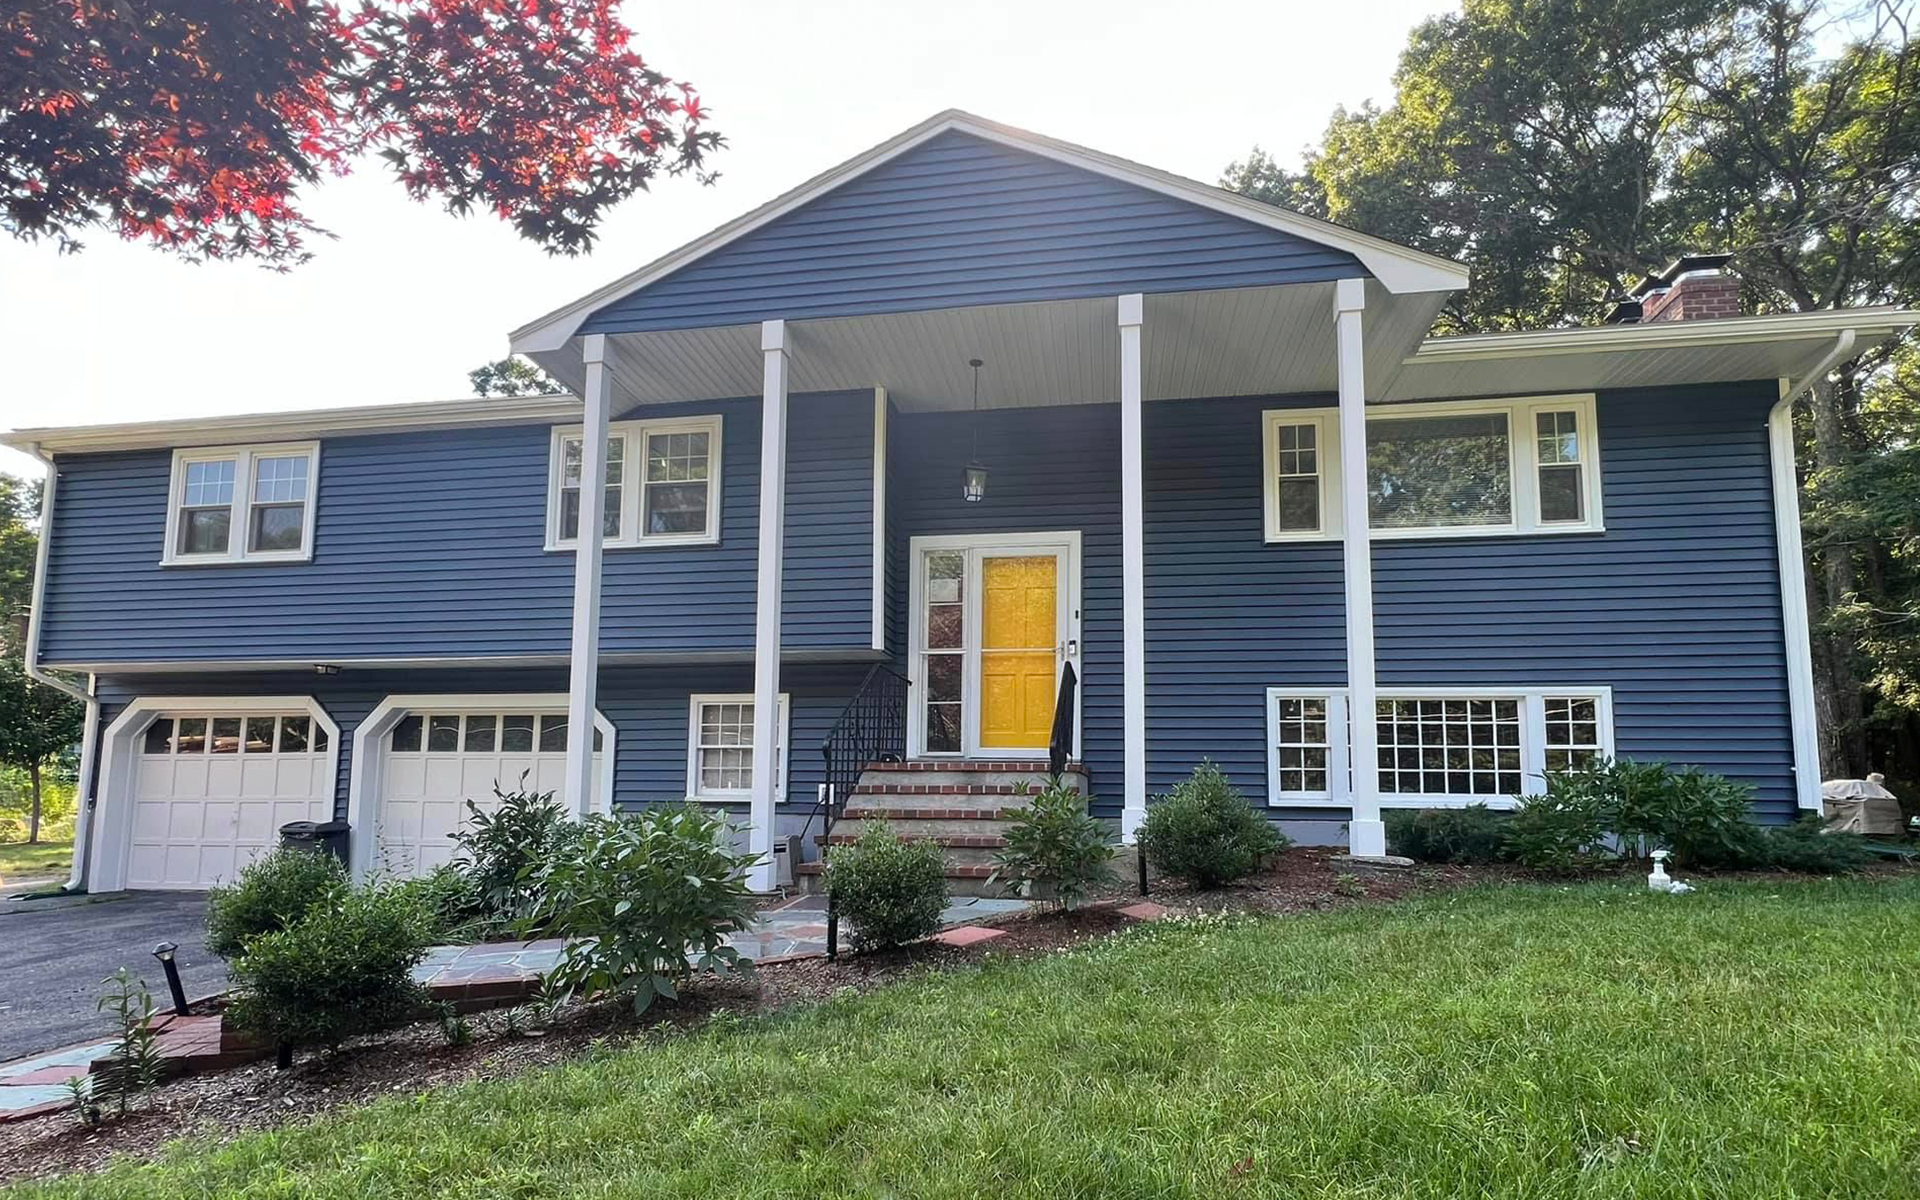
(1696, 287)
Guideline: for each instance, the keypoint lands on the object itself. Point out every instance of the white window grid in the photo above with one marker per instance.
(1525, 462)
(1463, 738)
(691, 454)
(496, 732)
(241, 480)
(613, 509)
(720, 747)
(197, 734)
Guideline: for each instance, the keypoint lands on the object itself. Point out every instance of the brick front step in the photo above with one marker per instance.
(915, 813)
(950, 840)
(1036, 766)
(889, 788)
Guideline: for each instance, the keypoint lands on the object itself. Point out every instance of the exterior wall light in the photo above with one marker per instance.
(974, 490)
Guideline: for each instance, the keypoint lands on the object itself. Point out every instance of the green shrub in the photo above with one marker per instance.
(450, 897)
(1205, 832)
(1702, 819)
(1054, 843)
(1806, 846)
(1565, 829)
(136, 1064)
(274, 891)
(504, 851)
(645, 900)
(1474, 834)
(344, 968)
(891, 891)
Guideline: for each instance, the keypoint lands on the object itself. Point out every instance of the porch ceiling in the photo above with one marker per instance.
(1253, 341)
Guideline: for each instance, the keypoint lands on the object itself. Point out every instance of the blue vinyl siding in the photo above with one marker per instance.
(1051, 470)
(1677, 606)
(961, 221)
(648, 707)
(430, 544)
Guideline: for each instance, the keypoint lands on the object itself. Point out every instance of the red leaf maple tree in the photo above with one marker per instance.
(194, 124)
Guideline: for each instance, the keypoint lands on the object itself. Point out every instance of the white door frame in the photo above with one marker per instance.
(363, 784)
(112, 832)
(1066, 544)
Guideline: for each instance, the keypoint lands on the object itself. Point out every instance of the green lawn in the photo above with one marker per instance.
(1752, 1040)
(18, 860)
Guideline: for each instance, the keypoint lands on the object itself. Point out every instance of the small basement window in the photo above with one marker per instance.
(720, 749)
(239, 504)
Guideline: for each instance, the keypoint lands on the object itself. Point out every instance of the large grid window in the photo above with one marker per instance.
(720, 748)
(298, 733)
(1479, 468)
(1447, 747)
(1572, 732)
(663, 484)
(242, 504)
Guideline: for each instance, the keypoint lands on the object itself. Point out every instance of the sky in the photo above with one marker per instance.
(410, 298)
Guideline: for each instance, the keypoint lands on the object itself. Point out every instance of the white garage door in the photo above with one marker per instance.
(435, 763)
(212, 790)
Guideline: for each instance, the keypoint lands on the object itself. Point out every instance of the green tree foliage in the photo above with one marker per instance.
(36, 723)
(19, 546)
(513, 376)
(1564, 148)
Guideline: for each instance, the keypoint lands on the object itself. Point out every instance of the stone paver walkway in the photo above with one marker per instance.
(470, 976)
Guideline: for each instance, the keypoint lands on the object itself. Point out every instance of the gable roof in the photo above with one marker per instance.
(1326, 250)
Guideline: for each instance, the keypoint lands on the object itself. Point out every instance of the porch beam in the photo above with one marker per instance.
(584, 667)
(1366, 833)
(766, 611)
(1133, 571)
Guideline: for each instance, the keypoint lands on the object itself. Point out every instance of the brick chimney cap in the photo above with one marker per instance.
(1680, 266)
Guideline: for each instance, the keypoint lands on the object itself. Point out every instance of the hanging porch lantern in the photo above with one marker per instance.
(974, 488)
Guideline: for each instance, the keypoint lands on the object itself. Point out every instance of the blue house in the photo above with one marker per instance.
(977, 447)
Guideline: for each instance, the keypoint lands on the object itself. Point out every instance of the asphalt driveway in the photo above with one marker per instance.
(54, 953)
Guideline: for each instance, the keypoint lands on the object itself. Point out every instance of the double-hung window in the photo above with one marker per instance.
(720, 749)
(232, 504)
(1436, 747)
(1440, 470)
(663, 484)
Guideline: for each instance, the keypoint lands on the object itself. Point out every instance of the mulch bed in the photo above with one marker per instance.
(416, 1057)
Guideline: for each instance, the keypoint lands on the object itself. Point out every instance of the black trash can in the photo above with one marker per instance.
(320, 837)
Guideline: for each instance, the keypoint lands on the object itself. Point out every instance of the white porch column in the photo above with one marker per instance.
(1133, 573)
(585, 668)
(1366, 833)
(766, 612)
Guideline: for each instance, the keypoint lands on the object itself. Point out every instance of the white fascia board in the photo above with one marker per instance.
(287, 426)
(1398, 268)
(1869, 323)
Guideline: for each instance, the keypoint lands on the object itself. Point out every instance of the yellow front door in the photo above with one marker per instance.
(1020, 626)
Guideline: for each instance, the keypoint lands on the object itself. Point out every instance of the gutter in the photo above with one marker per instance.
(1796, 618)
(89, 738)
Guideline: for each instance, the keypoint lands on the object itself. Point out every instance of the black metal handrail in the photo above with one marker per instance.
(1060, 746)
(871, 729)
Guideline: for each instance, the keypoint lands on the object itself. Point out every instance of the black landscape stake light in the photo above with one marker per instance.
(165, 952)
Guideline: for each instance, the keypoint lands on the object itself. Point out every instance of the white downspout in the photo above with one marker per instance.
(1795, 617)
(89, 736)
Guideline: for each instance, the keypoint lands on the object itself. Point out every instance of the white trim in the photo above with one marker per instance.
(1531, 698)
(583, 646)
(363, 783)
(111, 837)
(1065, 544)
(245, 459)
(769, 571)
(740, 795)
(633, 481)
(1523, 471)
(1133, 570)
(879, 517)
(638, 658)
(1879, 320)
(1398, 268)
(465, 413)
(1795, 621)
(1366, 834)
